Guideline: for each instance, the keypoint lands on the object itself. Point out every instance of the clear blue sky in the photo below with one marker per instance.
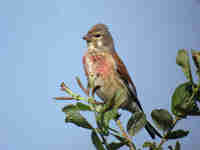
(41, 46)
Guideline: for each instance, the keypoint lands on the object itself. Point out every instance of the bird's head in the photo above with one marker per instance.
(99, 37)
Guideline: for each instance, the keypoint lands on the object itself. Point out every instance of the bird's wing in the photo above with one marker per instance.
(123, 72)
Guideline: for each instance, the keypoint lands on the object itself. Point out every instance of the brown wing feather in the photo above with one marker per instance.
(121, 69)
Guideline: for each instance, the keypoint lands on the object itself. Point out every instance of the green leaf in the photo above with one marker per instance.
(196, 58)
(182, 59)
(178, 146)
(136, 123)
(115, 145)
(70, 107)
(162, 119)
(150, 145)
(101, 125)
(73, 115)
(109, 115)
(83, 107)
(189, 108)
(96, 141)
(76, 118)
(184, 101)
(103, 119)
(176, 134)
(78, 107)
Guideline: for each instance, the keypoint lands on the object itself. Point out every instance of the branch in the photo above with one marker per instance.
(63, 98)
(86, 91)
(124, 134)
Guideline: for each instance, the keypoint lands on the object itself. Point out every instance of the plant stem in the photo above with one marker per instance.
(124, 134)
(86, 91)
(105, 142)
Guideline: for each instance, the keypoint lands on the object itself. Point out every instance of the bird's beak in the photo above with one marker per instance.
(87, 37)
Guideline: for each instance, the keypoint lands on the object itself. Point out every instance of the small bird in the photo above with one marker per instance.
(107, 75)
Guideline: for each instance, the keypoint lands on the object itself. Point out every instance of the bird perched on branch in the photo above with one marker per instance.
(107, 74)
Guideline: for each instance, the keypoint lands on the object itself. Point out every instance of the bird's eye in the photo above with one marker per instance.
(97, 35)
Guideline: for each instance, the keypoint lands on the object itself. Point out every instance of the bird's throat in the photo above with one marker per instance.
(96, 45)
(91, 46)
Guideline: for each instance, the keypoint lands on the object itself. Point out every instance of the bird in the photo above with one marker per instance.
(108, 76)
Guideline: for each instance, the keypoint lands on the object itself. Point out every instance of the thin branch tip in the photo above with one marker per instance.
(63, 98)
(86, 91)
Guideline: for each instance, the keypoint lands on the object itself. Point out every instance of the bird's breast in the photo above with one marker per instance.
(101, 66)
(99, 63)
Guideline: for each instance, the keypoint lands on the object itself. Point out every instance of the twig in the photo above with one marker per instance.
(89, 100)
(162, 142)
(73, 95)
(124, 134)
(105, 142)
(176, 120)
(63, 98)
(86, 91)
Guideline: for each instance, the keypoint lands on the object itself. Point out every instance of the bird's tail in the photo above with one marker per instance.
(152, 131)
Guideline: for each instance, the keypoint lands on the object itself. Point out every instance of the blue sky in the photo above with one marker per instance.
(41, 46)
